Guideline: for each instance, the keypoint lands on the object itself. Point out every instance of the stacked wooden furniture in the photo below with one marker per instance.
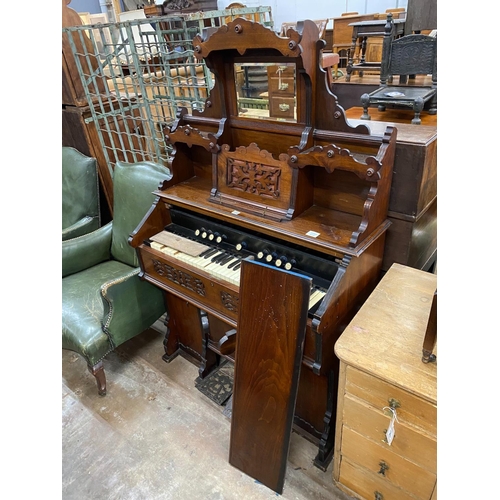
(78, 129)
(412, 237)
(75, 107)
(306, 194)
(385, 385)
(362, 32)
(342, 33)
(421, 16)
(179, 7)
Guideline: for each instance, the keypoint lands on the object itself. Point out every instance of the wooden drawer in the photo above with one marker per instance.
(372, 423)
(286, 71)
(284, 85)
(365, 484)
(413, 410)
(282, 107)
(396, 470)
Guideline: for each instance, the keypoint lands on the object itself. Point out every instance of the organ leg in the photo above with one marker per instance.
(208, 357)
(187, 332)
(325, 447)
(170, 342)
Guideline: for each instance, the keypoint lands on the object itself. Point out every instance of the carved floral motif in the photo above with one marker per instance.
(179, 277)
(229, 301)
(255, 178)
(178, 4)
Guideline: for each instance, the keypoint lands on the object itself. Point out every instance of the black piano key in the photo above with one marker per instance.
(226, 259)
(222, 257)
(206, 252)
(238, 261)
(231, 262)
(218, 256)
(210, 253)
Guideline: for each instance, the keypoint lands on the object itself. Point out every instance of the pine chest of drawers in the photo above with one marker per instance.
(383, 380)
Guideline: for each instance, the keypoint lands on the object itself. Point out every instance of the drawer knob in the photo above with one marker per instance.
(394, 403)
(379, 496)
(383, 468)
(284, 107)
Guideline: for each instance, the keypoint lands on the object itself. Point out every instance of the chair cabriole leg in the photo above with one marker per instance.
(98, 371)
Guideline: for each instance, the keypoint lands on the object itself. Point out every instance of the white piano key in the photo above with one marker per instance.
(315, 297)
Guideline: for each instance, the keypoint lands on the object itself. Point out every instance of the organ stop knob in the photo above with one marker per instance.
(263, 254)
(281, 261)
(271, 256)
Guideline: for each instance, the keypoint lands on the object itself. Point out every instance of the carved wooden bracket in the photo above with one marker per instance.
(190, 135)
(332, 157)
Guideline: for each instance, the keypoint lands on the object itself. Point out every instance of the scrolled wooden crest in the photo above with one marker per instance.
(242, 35)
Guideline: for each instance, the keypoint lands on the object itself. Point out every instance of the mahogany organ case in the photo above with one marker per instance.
(292, 186)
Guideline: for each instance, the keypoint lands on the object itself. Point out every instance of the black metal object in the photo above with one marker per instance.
(405, 56)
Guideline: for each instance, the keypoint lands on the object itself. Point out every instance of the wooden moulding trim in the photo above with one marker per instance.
(268, 228)
(243, 35)
(251, 207)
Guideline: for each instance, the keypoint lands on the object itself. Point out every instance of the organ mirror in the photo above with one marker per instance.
(266, 90)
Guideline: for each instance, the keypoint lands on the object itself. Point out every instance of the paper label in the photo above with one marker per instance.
(391, 430)
(235, 212)
(314, 234)
(389, 435)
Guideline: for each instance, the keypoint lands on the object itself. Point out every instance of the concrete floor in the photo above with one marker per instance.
(155, 436)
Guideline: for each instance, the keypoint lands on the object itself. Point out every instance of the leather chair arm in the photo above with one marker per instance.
(87, 250)
(131, 305)
(83, 226)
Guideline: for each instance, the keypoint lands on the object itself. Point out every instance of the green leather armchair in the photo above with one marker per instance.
(80, 194)
(104, 302)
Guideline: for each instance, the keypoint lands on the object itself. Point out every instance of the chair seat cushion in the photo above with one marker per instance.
(82, 310)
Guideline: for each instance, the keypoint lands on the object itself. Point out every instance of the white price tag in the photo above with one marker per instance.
(391, 431)
(389, 435)
(314, 234)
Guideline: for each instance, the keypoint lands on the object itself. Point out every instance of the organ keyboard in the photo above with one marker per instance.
(218, 253)
(307, 194)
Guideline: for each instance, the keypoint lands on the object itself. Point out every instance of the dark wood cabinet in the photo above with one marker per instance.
(412, 237)
(421, 16)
